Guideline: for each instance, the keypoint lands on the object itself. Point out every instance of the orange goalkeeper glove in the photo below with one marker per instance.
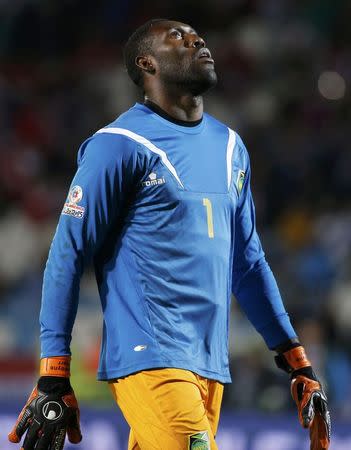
(310, 399)
(51, 410)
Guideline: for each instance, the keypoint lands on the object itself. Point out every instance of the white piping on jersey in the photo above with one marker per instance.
(230, 149)
(148, 144)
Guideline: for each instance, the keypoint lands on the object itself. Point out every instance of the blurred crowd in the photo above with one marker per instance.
(284, 84)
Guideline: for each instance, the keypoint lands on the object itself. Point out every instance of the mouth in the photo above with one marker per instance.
(205, 55)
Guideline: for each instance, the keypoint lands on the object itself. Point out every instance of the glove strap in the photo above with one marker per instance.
(55, 366)
(292, 359)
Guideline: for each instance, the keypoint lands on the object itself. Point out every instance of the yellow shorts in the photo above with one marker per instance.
(169, 409)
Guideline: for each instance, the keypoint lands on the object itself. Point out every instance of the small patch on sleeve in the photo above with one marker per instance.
(71, 207)
(240, 180)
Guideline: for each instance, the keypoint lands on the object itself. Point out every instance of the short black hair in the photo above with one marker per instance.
(139, 43)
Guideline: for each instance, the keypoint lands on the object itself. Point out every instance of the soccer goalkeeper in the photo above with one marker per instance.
(161, 203)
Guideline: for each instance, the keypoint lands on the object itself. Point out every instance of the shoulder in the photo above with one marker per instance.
(240, 146)
(241, 155)
(106, 146)
(116, 137)
(128, 133)
(116, 140)
(222, 127)
(216, 124)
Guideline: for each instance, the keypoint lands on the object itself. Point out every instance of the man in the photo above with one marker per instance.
(161, 202)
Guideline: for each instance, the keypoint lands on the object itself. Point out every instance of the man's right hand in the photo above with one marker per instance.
(47, 418)
(51, 411)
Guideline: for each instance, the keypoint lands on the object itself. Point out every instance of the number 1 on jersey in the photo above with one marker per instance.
(208, 205)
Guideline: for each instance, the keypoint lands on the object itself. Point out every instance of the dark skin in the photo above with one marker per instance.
(179, 70)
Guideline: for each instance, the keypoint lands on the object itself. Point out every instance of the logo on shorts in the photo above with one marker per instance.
(199, 441)
(71, 208)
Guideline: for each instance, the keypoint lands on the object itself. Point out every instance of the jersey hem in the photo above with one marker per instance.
(120, 373)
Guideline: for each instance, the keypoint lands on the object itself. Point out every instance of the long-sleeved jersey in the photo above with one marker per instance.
(166, 213)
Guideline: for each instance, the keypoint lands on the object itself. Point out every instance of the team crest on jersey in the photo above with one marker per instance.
(240, 180)
(199, 441)
(71, 207)
(153, 180)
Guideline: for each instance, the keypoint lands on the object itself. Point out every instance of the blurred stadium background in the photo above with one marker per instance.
(284, 84)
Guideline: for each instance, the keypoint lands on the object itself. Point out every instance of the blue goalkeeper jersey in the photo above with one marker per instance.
(166, 214)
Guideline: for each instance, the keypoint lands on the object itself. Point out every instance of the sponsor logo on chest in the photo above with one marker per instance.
(153, 180)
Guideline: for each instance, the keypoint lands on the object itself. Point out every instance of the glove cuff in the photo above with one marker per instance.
(307, 372)
(293, 359)
(56, 366)
(54, 385)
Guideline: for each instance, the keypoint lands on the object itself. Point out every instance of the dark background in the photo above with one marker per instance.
(284, 84)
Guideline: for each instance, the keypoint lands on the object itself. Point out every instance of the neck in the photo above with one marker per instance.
(185, 107)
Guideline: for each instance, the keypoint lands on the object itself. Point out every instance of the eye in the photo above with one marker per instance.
(176, 34)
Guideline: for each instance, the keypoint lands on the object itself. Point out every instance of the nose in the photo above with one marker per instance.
(193, 40)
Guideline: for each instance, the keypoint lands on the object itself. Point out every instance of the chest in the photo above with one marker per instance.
(191, 181)
(200, 162)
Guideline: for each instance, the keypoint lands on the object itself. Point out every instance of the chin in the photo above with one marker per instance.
(203, 83)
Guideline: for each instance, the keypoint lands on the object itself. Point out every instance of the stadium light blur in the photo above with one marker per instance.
(331, 85)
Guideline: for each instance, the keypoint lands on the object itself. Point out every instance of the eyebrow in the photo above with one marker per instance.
(183, 29)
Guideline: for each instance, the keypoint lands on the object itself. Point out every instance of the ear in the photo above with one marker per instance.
(146, 64)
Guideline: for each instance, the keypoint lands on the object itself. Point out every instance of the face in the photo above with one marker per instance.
(181, 58)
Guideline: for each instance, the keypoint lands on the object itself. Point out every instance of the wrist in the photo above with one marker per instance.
(56, 366)
(287, 345)
(307, 372)
(293, 359)
(54, 375)
(54, 385)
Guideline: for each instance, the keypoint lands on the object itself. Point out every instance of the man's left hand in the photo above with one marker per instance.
(306, 390)
(312, 408)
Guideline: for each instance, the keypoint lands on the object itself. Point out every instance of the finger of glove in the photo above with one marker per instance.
(319, 433)
(325, 417)
(31, 436)
(59, 439)
(73, 428)
(45, 440)
(20, 426)
(22, 422)
(307, 413)
(74, 435)
(320, 404)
